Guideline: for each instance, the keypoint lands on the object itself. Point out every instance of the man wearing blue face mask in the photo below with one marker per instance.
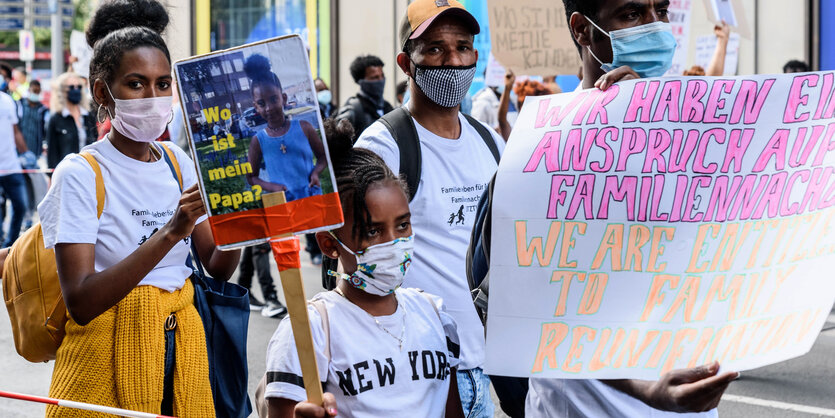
(368, 105)
(622, 40)
(447, 159)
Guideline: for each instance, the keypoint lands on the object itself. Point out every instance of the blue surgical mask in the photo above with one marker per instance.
(324, 97)
(647, 49)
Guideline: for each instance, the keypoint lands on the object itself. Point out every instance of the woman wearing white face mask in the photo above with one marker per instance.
(134, 339)
(382, 350)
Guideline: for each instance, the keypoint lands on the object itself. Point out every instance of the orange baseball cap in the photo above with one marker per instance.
(421, 13)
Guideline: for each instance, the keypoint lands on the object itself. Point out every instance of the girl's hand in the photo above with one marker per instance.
(309, 410)
(314, 179)
(190, 208)
(275, 187)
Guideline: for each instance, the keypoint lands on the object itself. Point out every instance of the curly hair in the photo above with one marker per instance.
(361, 63)
(356, 170)
(119, 26)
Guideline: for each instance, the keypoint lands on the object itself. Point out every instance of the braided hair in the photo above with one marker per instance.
(357, 170)
(120, 26)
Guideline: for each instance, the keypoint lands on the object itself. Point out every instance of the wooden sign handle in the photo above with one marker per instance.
(289, 263)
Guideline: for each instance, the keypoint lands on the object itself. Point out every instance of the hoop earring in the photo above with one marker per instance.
(99, 119)
(170, 118)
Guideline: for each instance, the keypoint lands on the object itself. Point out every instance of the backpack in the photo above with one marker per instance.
(400, 125)
(511, 391)
(32, 291)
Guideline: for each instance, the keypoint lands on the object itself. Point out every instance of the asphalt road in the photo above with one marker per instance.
(803, 387)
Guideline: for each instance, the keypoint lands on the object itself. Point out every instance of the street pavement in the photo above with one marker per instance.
(802, 387)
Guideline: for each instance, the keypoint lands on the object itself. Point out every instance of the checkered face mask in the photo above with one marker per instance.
(445, 85)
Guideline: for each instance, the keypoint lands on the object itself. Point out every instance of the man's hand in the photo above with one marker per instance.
(309, 410)
(618, 74)
(690, 390)
(722, 32)
(509, 80)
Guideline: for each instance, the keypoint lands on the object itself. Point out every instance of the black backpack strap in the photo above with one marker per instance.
(401, 127)
(485, 135)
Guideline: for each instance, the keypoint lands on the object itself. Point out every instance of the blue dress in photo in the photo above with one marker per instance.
(289, 161)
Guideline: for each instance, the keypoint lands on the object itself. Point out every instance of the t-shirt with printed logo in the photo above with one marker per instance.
(140, 197)
(369, 373)
(454, 175)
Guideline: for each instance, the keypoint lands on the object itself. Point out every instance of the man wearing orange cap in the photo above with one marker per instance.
(457, 157)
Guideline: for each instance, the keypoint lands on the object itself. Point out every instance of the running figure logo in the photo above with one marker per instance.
(459, 215)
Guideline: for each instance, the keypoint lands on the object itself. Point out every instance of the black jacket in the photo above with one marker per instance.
(361, 112)
(62, 136)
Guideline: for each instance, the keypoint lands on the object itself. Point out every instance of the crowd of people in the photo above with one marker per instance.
(387, 343)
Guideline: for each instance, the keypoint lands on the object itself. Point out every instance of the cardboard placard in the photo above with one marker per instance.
(732, 12)
(664, 224)
(532, 37)
(254, 127)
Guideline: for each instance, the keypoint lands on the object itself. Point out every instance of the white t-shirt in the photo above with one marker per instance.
(564, 398)
(486, 107)
(8, 149)
(454, 175)
(368, 374)
(140, 198)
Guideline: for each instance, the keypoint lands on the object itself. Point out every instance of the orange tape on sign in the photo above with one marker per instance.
(286, 253)
(299, 215)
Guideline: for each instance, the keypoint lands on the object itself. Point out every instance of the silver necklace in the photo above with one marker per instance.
(379, 325)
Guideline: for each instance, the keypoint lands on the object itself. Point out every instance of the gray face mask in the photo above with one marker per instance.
(445, 85)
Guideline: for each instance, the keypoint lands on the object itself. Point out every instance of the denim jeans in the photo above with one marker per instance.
(14, 187)
(474, 389)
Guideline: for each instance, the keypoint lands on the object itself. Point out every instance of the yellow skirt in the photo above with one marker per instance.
(118, 358)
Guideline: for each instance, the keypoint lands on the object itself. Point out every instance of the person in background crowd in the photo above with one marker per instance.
(124, 275)
(795, 66)
(369, 319)
(368, 104)
(258, 256)
(436, 40)
(529, 88)
(486, 105)
(400, 92)
(19, 85)
(71, 127)
(550, 83)
(716, 67)
(505, 104)
(325, 98)
(12, 144)
(33, 117)
(697, 389)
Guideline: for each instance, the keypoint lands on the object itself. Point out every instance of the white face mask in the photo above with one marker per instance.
(142, 120)
(381, 268)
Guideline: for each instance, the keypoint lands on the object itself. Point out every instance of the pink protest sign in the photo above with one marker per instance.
(663, 224)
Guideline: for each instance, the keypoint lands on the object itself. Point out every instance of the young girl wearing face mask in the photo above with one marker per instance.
(381, 350)
(133, 338)
(71, 126)
(286, 147)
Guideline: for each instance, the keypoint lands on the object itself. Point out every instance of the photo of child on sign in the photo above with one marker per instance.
(254, 129)
(285, 147)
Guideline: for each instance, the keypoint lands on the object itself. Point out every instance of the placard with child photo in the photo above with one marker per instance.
(254, 128)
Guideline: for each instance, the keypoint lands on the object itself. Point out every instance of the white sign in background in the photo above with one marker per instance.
(664, 224)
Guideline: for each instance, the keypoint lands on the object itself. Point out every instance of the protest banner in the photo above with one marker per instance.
(253, 125)
(532, 37)
(679, 12)
(663, 224)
